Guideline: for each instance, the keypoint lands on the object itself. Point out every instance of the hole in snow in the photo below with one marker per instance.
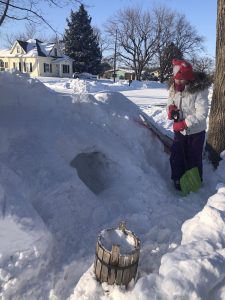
(95, 170)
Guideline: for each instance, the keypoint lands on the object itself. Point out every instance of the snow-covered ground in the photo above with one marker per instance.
(74, 161)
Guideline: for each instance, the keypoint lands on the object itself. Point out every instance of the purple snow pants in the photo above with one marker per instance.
(186, 153)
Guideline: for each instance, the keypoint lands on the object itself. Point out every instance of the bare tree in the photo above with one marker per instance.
(216, 132)
(144, 36)
(136, 38)
(30, 32)
(27, 10)
(185, 36)
(173, 29)
(203, 64)
(164, 26)
(103, 41)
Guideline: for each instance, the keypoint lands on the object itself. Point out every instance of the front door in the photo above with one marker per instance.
(57, 70)
(2, 65)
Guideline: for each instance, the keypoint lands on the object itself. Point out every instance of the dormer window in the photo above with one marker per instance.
(18, 49)
(55, 52)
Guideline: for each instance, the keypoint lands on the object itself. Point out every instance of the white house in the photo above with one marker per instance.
(37, 59)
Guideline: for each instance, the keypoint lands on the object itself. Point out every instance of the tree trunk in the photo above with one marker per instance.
(216, 133)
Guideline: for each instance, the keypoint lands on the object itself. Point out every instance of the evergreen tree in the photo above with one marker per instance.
(81, 43)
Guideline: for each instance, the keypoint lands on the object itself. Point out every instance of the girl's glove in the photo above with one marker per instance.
(171, 108)
(179, 126)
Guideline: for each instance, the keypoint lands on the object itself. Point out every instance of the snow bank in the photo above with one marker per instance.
(81, 86)
(85, 86)
(192, 271)
(51, 208)
(75, 164)
(199, 263)
(26, 244)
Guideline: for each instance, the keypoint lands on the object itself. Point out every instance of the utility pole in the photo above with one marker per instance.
(114, 69)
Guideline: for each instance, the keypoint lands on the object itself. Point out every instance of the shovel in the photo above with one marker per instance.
(190, 181)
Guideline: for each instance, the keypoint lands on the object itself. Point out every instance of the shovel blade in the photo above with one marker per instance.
(190, 181)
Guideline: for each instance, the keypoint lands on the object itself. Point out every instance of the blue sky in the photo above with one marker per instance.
(200, 13)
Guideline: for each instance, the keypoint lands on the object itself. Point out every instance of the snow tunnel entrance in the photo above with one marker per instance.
(94, 169)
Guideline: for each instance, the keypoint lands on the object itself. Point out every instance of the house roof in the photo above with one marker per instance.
(32, 48)
(39, 50)
(4, 53)
(23, 45)
(120, 69)
(62, 59)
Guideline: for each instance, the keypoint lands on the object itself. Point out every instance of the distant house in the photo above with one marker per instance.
(155, 71)
(120, 74)
(37, 59)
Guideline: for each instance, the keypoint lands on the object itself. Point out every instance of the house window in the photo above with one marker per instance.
(6, 65)
(31, 67)
(14, 65)
(47, 68)
(18, 50)
(2, 66)
(20, 67)
(66, 69)
(55, 52)
(27, 67)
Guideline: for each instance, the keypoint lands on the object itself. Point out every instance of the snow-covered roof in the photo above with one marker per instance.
(120, 69)
(31, 47)
(46, 48)
(4, 52)
(62, 59)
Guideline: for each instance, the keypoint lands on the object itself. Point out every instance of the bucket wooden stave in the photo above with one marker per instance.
(112, 266)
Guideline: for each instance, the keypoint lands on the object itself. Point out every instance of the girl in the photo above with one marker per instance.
(188, 107)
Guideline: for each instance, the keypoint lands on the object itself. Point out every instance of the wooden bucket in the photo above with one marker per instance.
(117, 265)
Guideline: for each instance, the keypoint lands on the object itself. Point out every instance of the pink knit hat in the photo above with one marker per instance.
(182, 70)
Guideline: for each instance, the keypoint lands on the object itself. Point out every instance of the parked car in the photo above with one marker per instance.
(84, 75)
(149, 76)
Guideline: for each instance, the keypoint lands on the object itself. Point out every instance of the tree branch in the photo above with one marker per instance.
(5, 11)
(29, 11)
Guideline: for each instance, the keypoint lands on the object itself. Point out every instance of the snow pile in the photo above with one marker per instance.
(136, 84)
(25, 248)
(81, 86)
(73, 164)
(123, 85)
(221, 168)
(48, 202)
(194, 270)
(145, 94)
(204, 240)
